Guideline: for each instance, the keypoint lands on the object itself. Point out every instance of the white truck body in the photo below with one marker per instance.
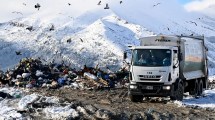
(186, 69)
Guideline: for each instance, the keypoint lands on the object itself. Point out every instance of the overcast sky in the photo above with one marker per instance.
(205, 6)
(11, 9)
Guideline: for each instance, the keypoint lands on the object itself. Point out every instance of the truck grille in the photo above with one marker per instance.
(150, 77)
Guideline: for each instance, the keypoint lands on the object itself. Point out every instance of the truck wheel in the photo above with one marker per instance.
(200, 88)
(178, 93)
(194, 90)
(136, 98)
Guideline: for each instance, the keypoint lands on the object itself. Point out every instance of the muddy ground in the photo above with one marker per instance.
(115, 104)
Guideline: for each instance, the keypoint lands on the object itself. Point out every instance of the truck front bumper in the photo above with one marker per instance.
(151, 89)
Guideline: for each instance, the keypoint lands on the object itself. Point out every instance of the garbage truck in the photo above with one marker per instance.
(168, 66)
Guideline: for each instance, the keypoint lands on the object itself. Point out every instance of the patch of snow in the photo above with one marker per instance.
(207, 101)
(26, 100)
(16, 93)
(51, 99)
(7, 113)
(61, 112)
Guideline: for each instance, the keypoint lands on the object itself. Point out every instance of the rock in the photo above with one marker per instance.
(90, 108)
(156, 116)
(209, 109)
(103, 114)
(5, 95)
(136, 116)
(105, 101)
(185, 112)
(122, 116)
(83, 111)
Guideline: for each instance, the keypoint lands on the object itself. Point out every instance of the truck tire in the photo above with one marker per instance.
(200, 88)
(178, 93)
(194, 90)
(136, 98)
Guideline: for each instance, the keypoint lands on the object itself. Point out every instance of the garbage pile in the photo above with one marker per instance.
(31, 73)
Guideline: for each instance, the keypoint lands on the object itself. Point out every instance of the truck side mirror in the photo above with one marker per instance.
(125, 55)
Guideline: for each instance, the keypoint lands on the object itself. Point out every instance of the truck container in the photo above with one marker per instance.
(165, 66)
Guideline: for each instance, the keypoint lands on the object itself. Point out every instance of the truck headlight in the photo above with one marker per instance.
(133, 86)
(166, 87)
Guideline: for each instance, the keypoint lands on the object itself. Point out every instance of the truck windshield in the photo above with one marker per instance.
(151, 57)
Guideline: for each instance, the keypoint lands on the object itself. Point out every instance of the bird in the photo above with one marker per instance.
(120, 2)
(30, 28)
(18, 53)
(81, 40)
(156, 4)
(167, 28)
(17, 12)
(69, 4)
(69, 40)
(194, 22)
(37, 6)
(106, 7)
(24, 4)
(52, 28)
(99, 3)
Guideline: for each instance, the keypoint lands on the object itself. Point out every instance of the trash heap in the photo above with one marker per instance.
(31, 73)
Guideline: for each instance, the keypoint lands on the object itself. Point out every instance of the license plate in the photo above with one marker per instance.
(149, 87)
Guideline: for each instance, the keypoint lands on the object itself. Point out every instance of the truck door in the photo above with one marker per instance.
(175, 64)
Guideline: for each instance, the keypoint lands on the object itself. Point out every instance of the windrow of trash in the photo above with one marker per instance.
(31, 73)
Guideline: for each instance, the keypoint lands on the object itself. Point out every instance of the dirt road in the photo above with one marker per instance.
(115, 104)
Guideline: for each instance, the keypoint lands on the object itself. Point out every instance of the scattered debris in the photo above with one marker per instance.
(5, 95)
(30, 73)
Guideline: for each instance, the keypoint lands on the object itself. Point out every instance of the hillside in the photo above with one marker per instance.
(94, 35)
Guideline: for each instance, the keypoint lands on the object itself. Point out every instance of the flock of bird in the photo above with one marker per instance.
(38, 6)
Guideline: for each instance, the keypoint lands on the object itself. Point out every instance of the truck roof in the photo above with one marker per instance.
(167, 40)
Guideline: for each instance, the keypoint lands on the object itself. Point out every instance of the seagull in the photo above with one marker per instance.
(24, 4)
(194, 22)
(99, 3)
(120, 2)
(106, 7)
(18, 53)
(167, 28)
(30, 28)
(52, 28)
(37, 6)
(156, 4)
(17, 12)
(69, 4)
(69, 40)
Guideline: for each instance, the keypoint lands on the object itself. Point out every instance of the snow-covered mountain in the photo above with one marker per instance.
(84, 32)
